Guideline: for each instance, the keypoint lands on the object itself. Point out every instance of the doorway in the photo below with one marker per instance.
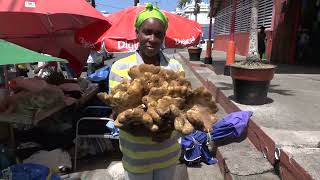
(308, 33)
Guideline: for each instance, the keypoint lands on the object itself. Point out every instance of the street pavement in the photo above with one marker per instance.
(291, 116)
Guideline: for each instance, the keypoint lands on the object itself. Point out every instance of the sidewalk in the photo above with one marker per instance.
(289, 123)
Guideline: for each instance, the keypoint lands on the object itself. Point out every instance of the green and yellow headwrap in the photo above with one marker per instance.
(150, 12)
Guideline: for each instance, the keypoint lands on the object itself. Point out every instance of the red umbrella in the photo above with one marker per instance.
(41, 25)
(121, 36)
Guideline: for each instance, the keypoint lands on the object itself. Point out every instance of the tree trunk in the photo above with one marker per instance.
(253, 34)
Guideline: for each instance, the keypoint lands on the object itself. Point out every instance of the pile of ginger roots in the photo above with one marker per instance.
(157, 101)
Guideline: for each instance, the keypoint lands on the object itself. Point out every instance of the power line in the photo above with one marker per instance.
(110, 6)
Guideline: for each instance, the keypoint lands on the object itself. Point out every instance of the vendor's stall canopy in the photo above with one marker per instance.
(48, 26)
(14, 54)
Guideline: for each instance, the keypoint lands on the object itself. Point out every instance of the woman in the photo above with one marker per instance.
(144, 159)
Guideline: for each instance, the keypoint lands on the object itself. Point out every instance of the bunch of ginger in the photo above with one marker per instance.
(160, 100)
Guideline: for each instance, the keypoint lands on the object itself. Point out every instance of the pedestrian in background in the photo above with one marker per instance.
(261, 41)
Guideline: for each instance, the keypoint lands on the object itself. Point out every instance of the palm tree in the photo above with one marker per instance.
(183, 3)
(253, 33)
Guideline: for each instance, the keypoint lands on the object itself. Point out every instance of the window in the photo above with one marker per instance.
(243, 13)
(265, 13)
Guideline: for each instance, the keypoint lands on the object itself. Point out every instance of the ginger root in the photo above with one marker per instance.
(161, 101)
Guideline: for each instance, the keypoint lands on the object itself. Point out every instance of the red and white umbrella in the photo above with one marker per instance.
(121, 36)
(49, 26)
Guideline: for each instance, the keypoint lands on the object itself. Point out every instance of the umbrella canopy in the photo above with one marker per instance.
(229, 127)
(14, 54)
(29, 18)
(121, 36)
(49, 26)
(195, 147)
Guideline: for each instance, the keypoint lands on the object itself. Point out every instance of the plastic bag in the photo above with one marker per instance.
(29, 171)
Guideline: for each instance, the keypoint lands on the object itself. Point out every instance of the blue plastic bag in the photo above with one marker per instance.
(29, 171)
(100, 74)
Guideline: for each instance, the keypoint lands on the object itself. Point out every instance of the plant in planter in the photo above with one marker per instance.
(195, 51)
(251, 78)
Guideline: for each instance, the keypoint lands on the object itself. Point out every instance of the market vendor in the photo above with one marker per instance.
(144, 159)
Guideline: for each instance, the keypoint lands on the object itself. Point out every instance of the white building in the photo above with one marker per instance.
(202, 17)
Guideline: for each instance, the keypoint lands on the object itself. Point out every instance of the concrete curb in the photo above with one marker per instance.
(289, 168)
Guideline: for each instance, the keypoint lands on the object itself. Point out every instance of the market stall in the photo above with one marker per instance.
(27, 101)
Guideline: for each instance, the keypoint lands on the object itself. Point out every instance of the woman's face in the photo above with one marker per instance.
(150, 36)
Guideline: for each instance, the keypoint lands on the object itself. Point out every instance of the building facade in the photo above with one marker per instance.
(202, 17)
(292, 28)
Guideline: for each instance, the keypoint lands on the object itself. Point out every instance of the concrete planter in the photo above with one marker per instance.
(251, 85)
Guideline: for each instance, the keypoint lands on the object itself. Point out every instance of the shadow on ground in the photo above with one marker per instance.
(297, 69)
(273, 88)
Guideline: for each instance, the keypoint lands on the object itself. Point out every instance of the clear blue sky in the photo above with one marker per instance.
(116, 5)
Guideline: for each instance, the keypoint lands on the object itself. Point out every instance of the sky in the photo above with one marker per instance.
(116, 5)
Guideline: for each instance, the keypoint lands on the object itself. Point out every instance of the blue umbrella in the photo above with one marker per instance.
(231, 126)
(195, 146)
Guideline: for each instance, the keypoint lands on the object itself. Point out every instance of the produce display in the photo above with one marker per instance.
(31, 95)
(160, 100)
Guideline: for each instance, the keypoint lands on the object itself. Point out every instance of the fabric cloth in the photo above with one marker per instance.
(195, 146)
(44, 71)
(119, 69)
(160, 174)
(95, 57)
(231, 126)
(140, 153)
(112, 128)
(51, 159)
(94, 61)
(151, 12)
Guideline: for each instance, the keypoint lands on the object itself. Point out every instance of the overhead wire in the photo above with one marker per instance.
(110, 6)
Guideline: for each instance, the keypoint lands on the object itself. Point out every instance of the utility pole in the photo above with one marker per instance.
(136, 2)
(196, 9)
(208, 57)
